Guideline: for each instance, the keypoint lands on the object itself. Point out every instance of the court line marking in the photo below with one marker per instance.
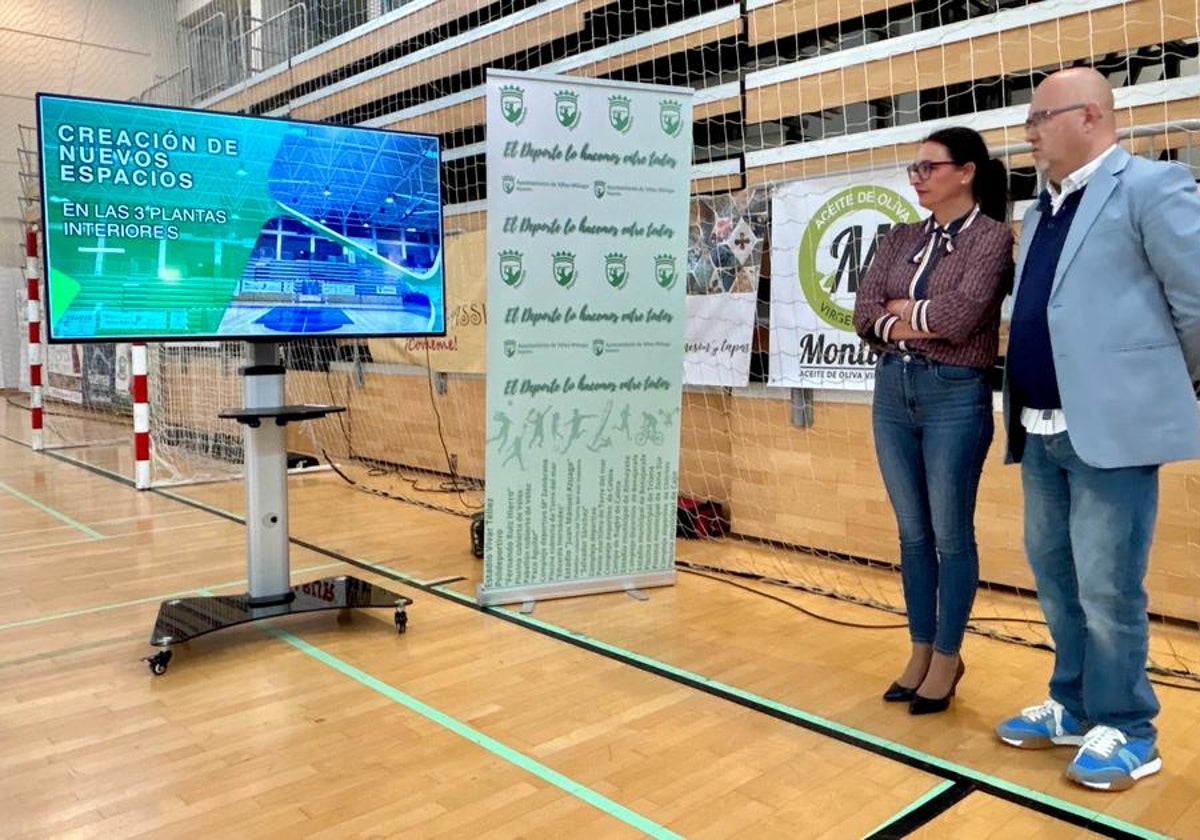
(930, 794)
(69, 651)
(26, 549)
(41, 546)
(1044, 803)
(66, 459)
(530, 765)
(498, 748)
(1018, 794)
(44, 508)
(881, 830)
(42, 619)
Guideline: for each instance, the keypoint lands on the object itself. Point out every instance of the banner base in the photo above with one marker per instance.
(571, 588)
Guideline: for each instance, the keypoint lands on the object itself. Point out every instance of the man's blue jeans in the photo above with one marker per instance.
(1087, 534)
(933, 425)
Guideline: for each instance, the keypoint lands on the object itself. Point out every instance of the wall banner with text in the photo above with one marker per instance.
(460, 350)
(588, 185)
(823, 237)
(725, 246)
(64, 372)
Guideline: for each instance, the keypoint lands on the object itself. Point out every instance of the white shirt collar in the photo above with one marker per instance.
(1077, 180)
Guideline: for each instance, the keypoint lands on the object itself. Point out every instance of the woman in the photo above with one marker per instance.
(930, 305)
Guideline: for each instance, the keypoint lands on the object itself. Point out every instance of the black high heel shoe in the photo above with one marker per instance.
(921, 705)
(897, 693)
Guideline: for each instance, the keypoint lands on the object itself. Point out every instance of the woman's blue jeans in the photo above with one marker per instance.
(933, 424)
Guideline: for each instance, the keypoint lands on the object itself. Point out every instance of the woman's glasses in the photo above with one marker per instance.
(922, 169)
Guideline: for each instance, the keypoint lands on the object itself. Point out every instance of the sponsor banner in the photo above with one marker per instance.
(64, 372)
(123, 375)
(717, 340)
(106, 375)
(588, 186)
(99, 374)
(461, 349)
(824, 234)
(14, 330)
(725, 246)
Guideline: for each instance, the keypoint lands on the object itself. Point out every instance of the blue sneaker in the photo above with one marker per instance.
(1038, 727)
(1110, 760)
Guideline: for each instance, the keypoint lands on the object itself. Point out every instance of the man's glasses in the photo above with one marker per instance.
(1036, 118)
(922, 169)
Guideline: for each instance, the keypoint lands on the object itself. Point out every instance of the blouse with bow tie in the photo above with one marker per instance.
(956, 275)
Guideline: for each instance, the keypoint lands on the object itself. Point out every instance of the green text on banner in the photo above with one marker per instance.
(588, 187)
(823, 237)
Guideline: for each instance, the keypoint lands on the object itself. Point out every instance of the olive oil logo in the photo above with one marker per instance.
(847, 245)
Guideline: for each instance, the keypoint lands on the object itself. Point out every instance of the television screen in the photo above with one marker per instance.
(167, 224)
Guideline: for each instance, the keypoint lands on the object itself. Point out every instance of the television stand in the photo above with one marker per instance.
(270, 593)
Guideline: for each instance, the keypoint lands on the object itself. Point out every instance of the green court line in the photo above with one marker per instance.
(912, 806)
(68, 651)
(61, 517)
(204, 590)
(42, 619)
(92, 468)
(67, 459)
(187, 500)
(41, 546)
(819, 722)
(815, 721)
(385, 571)
(503, 751)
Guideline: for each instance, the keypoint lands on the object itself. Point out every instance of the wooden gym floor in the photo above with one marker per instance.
(706, 711)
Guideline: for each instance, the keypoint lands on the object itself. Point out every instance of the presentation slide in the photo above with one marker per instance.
(179, 225)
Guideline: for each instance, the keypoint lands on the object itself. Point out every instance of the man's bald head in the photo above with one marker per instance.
(1071, 121)
(1084, 84)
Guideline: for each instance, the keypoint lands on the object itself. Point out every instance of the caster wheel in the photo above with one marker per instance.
(401, 621)
(158, 662)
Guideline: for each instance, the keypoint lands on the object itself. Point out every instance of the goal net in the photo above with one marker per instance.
(796, 101)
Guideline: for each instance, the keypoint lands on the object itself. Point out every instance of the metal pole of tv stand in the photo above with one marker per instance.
(269, 594)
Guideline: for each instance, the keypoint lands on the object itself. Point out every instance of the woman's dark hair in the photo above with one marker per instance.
(990, 185)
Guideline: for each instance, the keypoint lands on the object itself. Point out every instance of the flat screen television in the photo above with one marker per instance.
(171, 224)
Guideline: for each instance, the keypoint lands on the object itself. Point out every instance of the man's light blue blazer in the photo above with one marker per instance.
(1124, 315)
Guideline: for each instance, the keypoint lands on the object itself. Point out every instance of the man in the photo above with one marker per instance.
(1103, 353)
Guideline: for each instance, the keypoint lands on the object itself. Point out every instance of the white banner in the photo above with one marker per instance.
(123, 374)
(725, 245)
(823, 236)
(14, 330)
(64, 372)
(587, 245)
(717, 342)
